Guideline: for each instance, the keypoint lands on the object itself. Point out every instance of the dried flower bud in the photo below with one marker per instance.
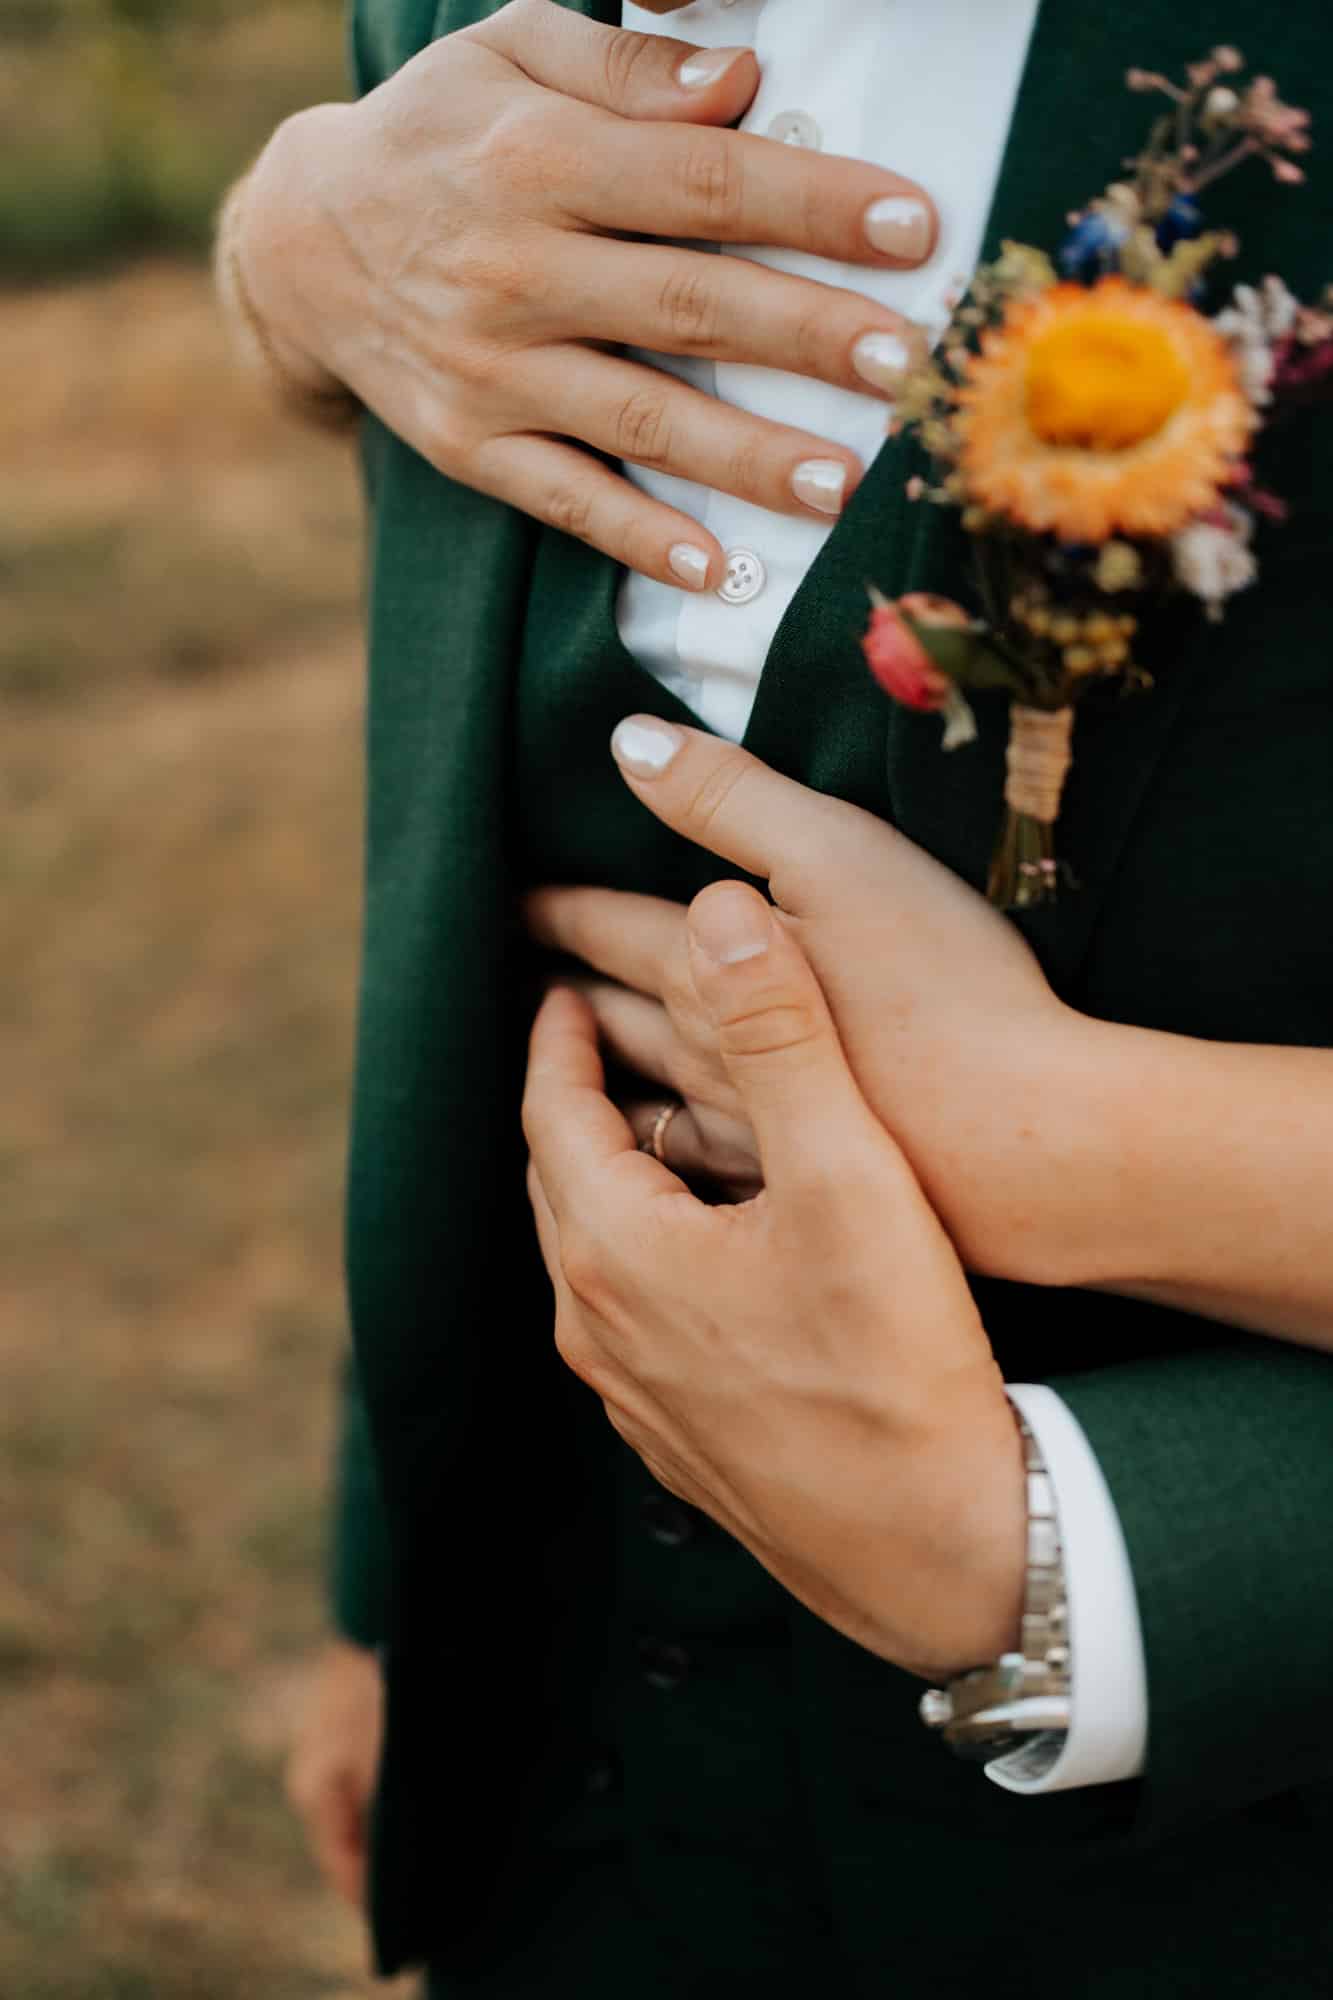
(900, 663)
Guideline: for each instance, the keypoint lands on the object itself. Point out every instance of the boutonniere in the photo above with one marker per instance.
(1095, 428)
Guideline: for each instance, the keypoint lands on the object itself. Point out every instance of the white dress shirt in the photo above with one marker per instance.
(926, 88)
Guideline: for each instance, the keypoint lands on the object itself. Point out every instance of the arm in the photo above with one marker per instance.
(1220, 1463)
(1219, 1165)
(1059, 1150)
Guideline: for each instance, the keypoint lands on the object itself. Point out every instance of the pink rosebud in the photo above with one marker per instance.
(900, 663)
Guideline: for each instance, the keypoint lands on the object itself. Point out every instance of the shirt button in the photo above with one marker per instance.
(668, 1523)
(745, 577)
(796, 128)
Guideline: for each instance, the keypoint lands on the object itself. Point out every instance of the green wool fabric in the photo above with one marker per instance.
(781, 1815)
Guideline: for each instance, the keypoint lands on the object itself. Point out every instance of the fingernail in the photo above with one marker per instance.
(899, 225)
(705, 66)
(820, 483)
(644, 746)
(882, 359)
(730, 924)
(690, 565)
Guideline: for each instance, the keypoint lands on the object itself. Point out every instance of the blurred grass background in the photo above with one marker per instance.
(180, 694)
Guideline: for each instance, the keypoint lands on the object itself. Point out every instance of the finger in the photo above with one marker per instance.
(814, 1130)
(574, 1132)
(630, 411)
(675, 301)
(638, 76)
(694, 1152)
(568, 489)
(631, 939)
(636, 1033)
(736, 187)
(723, 799)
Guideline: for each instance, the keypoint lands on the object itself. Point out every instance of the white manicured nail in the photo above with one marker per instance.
(820, 483)
(644, 746)
(882, 359)
(705, 66)
(900, 226)
(690, 565)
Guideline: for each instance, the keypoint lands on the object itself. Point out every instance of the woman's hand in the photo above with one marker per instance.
(331, 1771)
(989, 1083)
(807, 1368)
(463, 246)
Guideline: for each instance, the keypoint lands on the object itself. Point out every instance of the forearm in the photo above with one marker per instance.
(1215, 1178)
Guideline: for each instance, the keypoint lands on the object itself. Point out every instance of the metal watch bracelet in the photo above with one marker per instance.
(992, 1709)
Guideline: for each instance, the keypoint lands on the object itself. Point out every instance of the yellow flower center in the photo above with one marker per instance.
(1102, 383)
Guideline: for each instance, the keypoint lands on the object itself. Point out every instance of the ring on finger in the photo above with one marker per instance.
(655, 1142)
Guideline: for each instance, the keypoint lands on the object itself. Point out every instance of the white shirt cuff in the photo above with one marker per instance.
(1108, 1731)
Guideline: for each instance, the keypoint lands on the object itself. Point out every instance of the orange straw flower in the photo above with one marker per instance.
(1102, 410)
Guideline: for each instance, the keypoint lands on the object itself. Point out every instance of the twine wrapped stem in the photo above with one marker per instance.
(1039, 758)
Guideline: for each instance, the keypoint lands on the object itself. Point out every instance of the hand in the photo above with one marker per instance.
(332, 1768)
(453, 248)
(995, 1090)
(808, 1368)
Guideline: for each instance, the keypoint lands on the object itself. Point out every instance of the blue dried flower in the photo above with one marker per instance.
(1182, 222)
(1093, 246)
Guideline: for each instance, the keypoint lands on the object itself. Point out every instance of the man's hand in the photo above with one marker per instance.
(331, 1771)
(987, 1081)
(808, 1368)
(463, 246)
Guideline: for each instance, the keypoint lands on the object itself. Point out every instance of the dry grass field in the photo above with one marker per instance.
(180, 692)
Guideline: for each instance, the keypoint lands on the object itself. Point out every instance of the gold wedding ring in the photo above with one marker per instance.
(655, 1143)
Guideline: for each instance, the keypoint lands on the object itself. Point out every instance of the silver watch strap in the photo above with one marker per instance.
(992, 1709)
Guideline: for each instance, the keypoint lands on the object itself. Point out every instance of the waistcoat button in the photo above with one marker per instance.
(662, 1663)
(670, 1524)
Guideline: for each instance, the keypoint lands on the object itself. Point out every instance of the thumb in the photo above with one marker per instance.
(780, 1046)
(636, 76)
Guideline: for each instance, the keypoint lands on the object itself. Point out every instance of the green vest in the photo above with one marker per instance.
(771, 1766)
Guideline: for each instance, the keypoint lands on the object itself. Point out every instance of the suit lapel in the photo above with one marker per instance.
(1073, 122)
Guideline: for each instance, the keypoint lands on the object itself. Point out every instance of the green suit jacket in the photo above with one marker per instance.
(1200, 822)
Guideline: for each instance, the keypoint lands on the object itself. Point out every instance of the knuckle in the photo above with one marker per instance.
(808, 340)
(627, 57)
(583, 1268)
(577, 1352)
(748, 470)
(486, 266)
(643, 428)
(570, 511)
(715, 792)
(776, 1027)
(688, 307)
(713, 178)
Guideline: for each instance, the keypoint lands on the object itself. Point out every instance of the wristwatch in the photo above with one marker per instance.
(993, 1709)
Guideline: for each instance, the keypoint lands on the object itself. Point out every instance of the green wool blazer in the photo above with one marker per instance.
(474, 1543)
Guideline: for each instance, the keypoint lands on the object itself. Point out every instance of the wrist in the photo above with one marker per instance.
(1076, 1206)
(967, 1576)
(260, 237)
